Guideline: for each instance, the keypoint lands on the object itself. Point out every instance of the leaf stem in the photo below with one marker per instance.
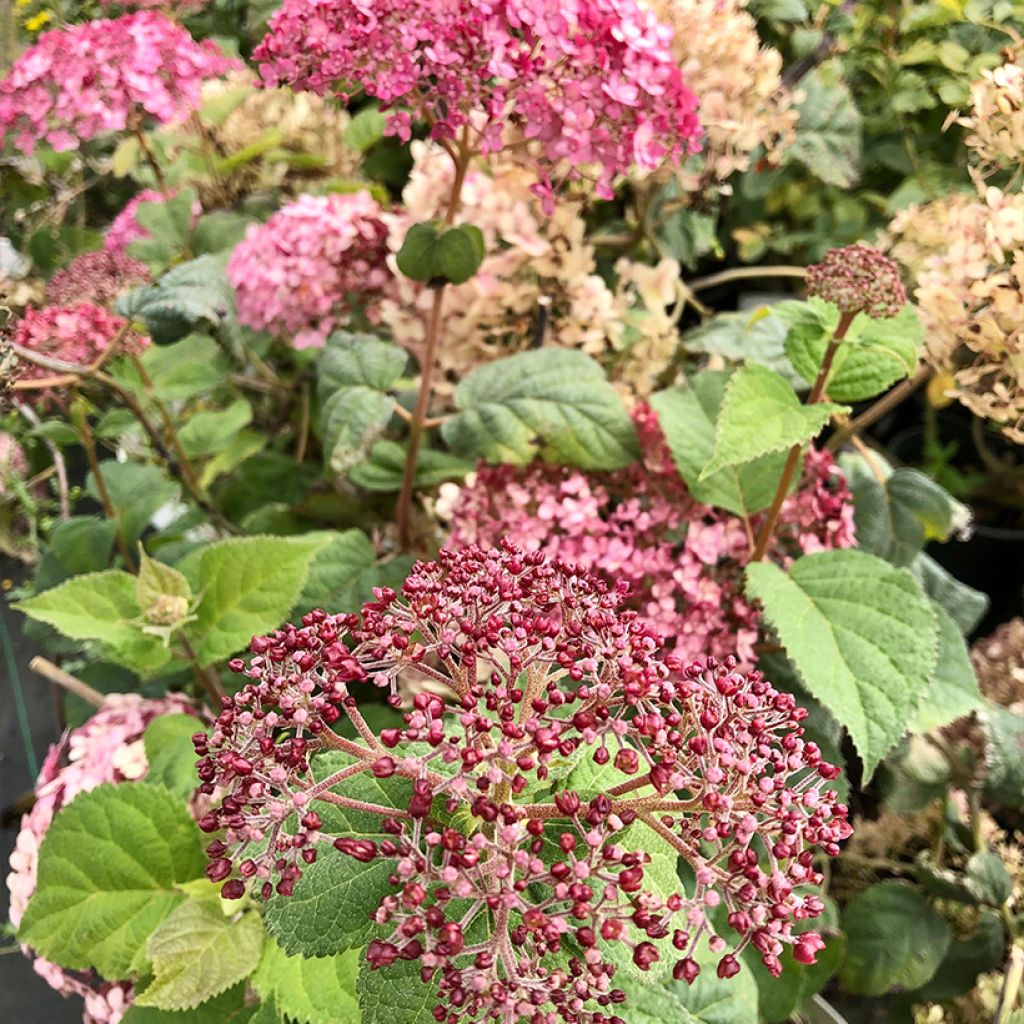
(793, 459)
(875, 412)
(744, 274)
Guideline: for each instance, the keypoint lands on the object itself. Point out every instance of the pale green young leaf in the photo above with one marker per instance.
(198, 953)
(687, 417)
(862, 636)
(156, 580)
(310, 990)
(553, 403)
(248, 585)
(761, 414)
(895, 939)
(110, 867)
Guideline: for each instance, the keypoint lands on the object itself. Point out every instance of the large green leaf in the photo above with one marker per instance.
(687, 418)
(965, 606)
(168, 224)
(873, 356)
(198, 953)
(210, 432)
(109, 870)
(761, 414)
(744, 337)
(555, 403)
(895, 938)
(310, 991)
(1004, 755)
(383, 470)
(395, 995)
(952, 692)
(228, 1008)
(862, 636)
(248, 585)
(170, 754)
(137, 491)
(828, 137)
(356, 373)
(193, 366)
(709, 1000)
(100, 606)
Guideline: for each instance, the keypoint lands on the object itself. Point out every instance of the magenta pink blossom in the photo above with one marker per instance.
(125, 227)
(105, 76)
(548, 724)
(302, 273)
(107, 748)
(683, 561)
(594, 82)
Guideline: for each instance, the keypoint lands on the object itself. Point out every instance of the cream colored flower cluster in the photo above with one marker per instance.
(967, 258)
(743, 103)
(538, 284)
(995, 126)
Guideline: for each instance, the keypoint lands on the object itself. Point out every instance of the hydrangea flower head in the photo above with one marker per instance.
(77, 334)
(97, 277)
(858, 279)
(298, 274)
(526, 909)
(594, 82)
(107, 748)
(104, 76)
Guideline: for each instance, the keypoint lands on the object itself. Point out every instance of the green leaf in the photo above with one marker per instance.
(1004, 755)
(965, 606)
(228, 1008)
(168, 225)
(556, 403)
(988, 878)
(828, 139)
(862, 636)
(356, 373)
(366, 129)
(219, 231)
(100, 606)
(208, 433)
(760, 414)
(432, 252)
(382, 471)
(894, 939)
(744, 337)
(83, 544)
(198, 953)
(709, 1000)
(193, 366)
(339, 574)
(688, 419)
(170, 754)
(311, 991)
(981, 951)
(395, 995)
(873, 356)
(137, 491)
(248, 585)
(109, 870)
(952, 692)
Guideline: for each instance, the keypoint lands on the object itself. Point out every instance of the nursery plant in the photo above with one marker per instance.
(466, 607)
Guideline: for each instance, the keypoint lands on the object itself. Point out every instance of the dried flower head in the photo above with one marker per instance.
(519, 888)
(592, 81)
(302, 273)
(102, 76)
(858, 279)
(995, 125)
(107, 748)
(683, 561)
(97, 277)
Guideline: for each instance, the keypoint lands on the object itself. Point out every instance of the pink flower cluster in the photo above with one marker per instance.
(107, 748)
(103, 76)
(97, 277)
(683, 561)
(858, 278)
(77, 334)
(302, 273)
(594, 82)
(125, 228)
(525, 666)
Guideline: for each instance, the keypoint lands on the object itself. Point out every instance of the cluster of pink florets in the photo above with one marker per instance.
(592, 81)
(107, 748)
(98, 277)
(522, 665)
(858, 279)
(302, 273)
(104, 76)
(78, 335)
(125, 227)
(683, 560)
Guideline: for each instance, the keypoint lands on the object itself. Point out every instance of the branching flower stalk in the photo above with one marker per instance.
(856, 279)
(536, 798)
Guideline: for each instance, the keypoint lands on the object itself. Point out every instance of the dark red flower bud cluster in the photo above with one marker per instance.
(550, 754)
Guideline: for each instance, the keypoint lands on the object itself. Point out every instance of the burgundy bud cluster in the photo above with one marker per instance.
(858, 279)
(551, 750)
